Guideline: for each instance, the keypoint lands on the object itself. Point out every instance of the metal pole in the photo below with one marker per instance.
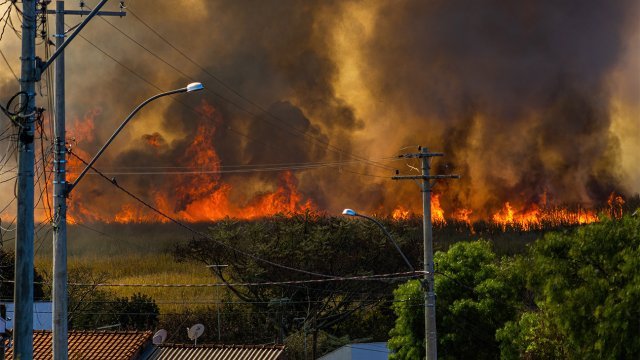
(23, 288)
(304, 328)
(59, 341)
(430, 297)
(218, 310)
(218, 267)
(386, 232)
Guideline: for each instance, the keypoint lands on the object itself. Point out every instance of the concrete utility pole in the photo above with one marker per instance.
(431, 338)
(23, 287)
(59, 293)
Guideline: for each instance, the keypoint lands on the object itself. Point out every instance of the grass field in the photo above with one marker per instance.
(147, 269)
(135, 254)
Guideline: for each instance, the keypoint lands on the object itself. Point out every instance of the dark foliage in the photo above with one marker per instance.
(324, 245)
(7, 271)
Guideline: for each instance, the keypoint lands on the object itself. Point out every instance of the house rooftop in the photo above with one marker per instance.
(218, 352)
(95, 345)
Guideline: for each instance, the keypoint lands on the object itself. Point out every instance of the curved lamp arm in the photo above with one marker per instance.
(189, 88)
(350, 212)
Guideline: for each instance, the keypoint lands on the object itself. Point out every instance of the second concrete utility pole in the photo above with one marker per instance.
(431, 338)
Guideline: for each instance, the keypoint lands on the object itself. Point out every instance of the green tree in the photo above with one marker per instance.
(533, 336)
(475, 297)
(138, 313)
(7, 275)
(329, 245)
(587, 284)
(407, 337)
(89, 306)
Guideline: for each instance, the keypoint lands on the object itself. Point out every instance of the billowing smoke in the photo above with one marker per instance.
(518, 94)
(528, 99)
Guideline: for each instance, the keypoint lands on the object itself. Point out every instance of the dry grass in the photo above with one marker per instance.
(149, 269)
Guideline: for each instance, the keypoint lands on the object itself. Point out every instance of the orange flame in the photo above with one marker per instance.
(463, 215)
(206, 197)
(198, 197)
(154, 140)
(400, 213)
(615, 203)
(534, 217)
(437, 213)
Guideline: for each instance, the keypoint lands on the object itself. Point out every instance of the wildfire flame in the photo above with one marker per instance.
(437, 213)
(202, 197)
(534, 216)
(198, 197)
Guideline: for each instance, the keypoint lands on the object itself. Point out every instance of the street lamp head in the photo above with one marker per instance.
(194, 86)
(349, 212)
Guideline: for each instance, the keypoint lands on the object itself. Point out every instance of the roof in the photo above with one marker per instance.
(217, 352)
(359, 351)
(94, 345)
(42, 319)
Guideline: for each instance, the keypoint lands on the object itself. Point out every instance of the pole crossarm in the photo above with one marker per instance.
(86, 12)
(42, 66)
(421, 155)
(424, 177)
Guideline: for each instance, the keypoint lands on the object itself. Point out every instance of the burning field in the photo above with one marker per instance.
(308, 105)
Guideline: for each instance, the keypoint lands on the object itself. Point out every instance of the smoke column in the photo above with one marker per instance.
(530, 100)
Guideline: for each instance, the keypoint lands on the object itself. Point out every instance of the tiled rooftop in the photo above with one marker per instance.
(91, 345)
(217, 352)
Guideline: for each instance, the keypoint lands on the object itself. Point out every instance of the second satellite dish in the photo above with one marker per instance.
(159, 337)
(195, 332)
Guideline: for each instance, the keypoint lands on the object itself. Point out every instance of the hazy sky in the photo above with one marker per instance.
(526, 98)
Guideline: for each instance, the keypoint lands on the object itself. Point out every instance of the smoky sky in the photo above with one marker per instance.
(516, 93)
(522, 85)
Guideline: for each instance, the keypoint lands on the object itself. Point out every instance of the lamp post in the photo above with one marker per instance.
(61, 192)
(351, 212)
(218, 267)
(189, 88)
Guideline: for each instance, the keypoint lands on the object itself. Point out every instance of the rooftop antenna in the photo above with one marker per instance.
(159, 337)
(195, 332)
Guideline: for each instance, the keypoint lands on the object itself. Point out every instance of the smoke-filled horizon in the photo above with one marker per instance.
(532, 102)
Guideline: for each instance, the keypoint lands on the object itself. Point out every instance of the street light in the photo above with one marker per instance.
(218, 267)
(351, 212)
(195, 86)
(61, 192)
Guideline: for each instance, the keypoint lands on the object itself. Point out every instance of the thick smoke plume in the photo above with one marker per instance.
(532, 101)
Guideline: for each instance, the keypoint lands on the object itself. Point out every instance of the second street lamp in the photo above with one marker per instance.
(61, 191)
(351, 212)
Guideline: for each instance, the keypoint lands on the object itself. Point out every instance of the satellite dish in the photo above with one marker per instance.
(195, 332)
(159, 337)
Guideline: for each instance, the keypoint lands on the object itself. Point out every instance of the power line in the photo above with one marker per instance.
(9, 66)
(390, 276)
(309, 166)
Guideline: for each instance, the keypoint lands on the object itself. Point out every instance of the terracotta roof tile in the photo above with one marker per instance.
(94, 345)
